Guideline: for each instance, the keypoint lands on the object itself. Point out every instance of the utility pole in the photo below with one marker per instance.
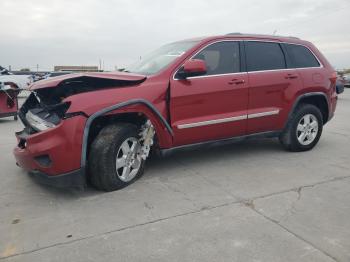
(37, 68)
(100, 64)
(9, 67)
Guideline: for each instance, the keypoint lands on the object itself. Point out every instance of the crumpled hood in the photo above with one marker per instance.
(61, 80)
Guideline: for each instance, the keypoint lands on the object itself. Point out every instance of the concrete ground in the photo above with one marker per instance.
(249, 201)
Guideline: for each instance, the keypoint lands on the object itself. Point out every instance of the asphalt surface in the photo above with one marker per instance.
(250, 201)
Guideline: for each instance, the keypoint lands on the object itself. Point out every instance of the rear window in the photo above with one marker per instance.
(301, 57)
(264, 56)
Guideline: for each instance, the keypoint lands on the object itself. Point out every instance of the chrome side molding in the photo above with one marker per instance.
(228, 119)
(269, 113)
(212, 122)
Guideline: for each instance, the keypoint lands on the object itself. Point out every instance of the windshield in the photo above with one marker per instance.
(160, 58)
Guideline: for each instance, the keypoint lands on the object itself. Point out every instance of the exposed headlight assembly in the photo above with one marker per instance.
(38, 123)
(42, 117)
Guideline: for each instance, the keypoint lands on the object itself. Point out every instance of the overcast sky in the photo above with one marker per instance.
(73, 32)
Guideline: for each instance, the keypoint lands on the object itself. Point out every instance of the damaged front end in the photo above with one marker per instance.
(46, 107)
(39, 114)
(50, 145)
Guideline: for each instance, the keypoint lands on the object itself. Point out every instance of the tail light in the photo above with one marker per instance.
(333, 77)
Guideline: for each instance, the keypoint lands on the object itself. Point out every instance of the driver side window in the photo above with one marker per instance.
(221, 58)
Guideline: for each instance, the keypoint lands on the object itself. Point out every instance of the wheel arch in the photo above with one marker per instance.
(123, 112)
(318, 99)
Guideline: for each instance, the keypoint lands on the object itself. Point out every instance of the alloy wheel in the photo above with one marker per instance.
(128, 160)
(307, 129)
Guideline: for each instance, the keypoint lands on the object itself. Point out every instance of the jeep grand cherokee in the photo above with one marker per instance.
(101, 126)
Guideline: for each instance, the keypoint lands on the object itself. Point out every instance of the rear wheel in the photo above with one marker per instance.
(115, 160)
(303, 129)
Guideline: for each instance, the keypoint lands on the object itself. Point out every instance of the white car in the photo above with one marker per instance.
(21, 81)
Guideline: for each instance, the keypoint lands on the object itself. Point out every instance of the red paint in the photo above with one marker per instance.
(190, 101)
(203, 99)
(195, 65)
(62, 144)
(270, 91)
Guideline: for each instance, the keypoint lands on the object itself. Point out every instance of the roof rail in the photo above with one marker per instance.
(235, 33)
(238, 33)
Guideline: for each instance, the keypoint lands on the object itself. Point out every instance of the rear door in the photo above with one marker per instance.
(271, 84)
(212, 106)
(307, 65)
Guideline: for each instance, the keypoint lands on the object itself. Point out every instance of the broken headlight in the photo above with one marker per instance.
(43, 118)
(38, 123)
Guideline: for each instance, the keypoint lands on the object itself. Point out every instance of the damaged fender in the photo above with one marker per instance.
(161, 121)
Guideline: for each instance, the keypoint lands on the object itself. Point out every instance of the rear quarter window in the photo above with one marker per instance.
(264, 56)
(300, 56)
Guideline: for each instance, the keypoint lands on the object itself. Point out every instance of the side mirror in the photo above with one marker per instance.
(194, 67)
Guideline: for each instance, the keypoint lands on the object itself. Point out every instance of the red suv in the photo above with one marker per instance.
(101, 127)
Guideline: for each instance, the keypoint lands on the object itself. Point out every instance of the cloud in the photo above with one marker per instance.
(78, 32)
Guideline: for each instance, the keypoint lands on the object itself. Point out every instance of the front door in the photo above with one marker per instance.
(213, 106)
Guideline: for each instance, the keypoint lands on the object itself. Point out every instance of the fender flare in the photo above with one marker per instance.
(112, 108)
(299, 98)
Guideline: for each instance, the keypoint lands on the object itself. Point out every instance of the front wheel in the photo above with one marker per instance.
(115, 157)
(303, 129)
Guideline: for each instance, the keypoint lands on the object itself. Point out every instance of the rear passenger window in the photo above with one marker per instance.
(221, 58)
(264, 56)
(301, 57)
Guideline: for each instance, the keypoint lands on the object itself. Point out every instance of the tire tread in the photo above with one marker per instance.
(287, 138)
(101, 169)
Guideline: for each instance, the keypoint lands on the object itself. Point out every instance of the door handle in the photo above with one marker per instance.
(291, 76)
(236, 81)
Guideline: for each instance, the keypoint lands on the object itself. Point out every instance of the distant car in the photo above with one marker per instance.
(54, 74)
(37, 77)
(346, 80)
(340, 85)
(20, 81)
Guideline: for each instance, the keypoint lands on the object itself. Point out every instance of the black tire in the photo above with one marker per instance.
(289, 137)
(15, 118)
(103, 153)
